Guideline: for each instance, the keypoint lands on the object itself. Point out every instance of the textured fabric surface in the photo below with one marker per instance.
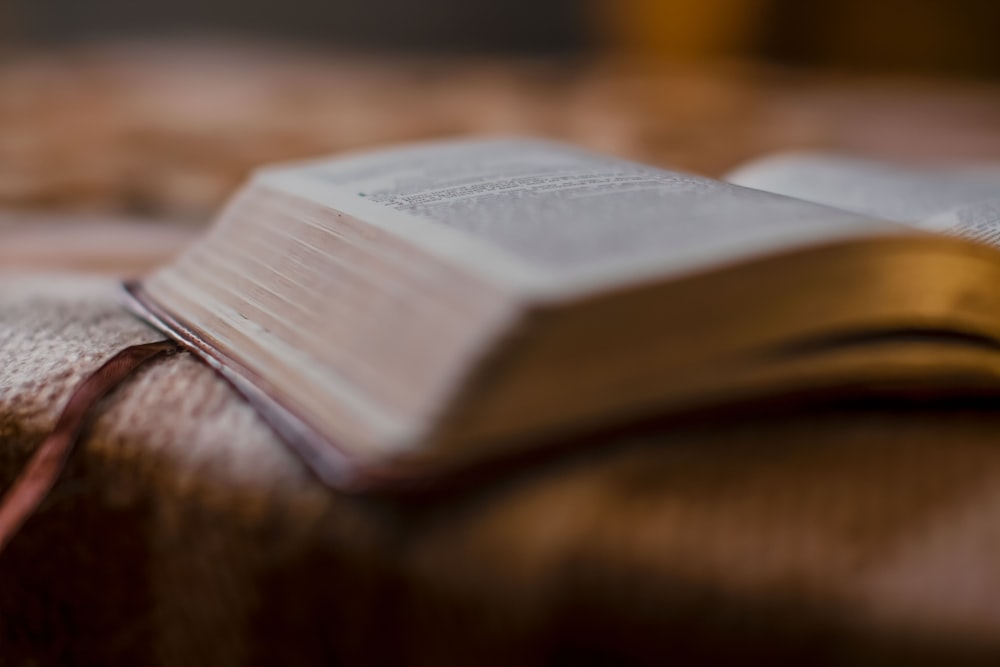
(183, 533)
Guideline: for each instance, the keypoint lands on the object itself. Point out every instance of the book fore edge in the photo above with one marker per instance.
(322, 455)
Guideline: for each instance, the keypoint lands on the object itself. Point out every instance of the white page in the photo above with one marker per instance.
(953, 199)
(575, 219)
(979, 221)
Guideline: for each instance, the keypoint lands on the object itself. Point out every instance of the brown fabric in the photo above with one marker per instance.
(42, 471)
(183, 533)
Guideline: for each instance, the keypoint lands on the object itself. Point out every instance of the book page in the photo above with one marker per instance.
(947, 199)
(570, 214)
(979, 221)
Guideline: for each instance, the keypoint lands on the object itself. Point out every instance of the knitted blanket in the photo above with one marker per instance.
(184, 533)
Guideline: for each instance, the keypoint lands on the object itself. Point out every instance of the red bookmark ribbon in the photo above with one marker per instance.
(39, 475)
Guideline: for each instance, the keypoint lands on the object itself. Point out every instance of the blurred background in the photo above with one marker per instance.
(159, 109)
(922, 35)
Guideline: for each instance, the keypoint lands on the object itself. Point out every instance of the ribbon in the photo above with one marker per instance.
(39, 475)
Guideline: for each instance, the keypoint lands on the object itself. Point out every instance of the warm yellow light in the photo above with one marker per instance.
(681, 28)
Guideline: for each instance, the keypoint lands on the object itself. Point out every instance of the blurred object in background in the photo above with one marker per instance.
(920, 36)
(916, 36)
(541, 26)
(681, 29)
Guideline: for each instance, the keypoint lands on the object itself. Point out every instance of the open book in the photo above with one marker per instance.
(405, 312)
